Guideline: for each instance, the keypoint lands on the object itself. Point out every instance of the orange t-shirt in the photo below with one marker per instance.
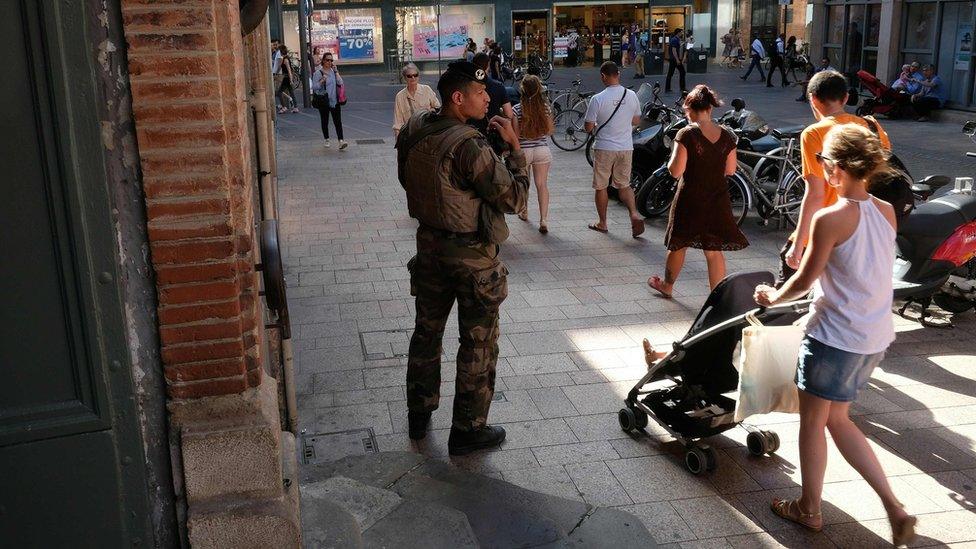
(811, 143)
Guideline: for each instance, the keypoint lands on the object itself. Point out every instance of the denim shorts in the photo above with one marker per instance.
(831, 373)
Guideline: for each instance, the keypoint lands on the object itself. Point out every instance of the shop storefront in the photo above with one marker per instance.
(603, 26)
(439, 33)
(859, 35)
(354, 36)
(941, 33)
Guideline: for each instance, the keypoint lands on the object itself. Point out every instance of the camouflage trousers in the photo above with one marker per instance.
(445, 270)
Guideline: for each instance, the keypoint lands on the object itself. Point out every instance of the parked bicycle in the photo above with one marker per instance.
(573, 97)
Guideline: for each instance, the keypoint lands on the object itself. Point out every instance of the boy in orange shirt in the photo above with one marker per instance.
(828, 97)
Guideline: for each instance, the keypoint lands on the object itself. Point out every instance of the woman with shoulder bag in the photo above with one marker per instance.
(328, 96)
(848, 263)
(286, 90)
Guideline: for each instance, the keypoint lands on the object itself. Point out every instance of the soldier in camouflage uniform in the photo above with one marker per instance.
(459, 190)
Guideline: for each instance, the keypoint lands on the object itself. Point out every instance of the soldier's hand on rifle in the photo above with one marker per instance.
(504, 128)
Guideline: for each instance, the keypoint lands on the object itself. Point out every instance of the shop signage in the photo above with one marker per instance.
(964, 46)
(560, 47)
(355, 36)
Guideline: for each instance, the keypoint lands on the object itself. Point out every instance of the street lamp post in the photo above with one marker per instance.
(304, 14)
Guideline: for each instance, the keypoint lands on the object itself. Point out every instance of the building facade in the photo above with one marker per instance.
(881, 36)
(387, 33)
(144, 346)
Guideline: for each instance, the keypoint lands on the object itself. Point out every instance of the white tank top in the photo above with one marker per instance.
(852, 299)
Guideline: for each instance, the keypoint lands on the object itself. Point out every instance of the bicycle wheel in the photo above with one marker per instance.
(793, 188)
(739, 195)
(568, 134)
(656, 194)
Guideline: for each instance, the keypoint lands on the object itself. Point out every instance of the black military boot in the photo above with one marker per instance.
(465, 442)
(417, 423)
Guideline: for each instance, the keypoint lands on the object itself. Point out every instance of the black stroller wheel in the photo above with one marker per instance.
(696, 460)
(628, 419)
(639, 416)
(761, 443)
(756, 443)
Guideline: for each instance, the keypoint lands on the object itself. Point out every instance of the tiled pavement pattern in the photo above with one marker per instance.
(572, 324)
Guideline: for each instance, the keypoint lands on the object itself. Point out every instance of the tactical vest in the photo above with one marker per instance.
(433, 198)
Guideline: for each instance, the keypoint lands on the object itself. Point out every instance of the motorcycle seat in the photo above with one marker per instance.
(584, 95)
(929, 185)
(765, 144)
(789, 132)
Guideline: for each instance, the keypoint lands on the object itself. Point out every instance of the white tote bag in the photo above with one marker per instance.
(767, 369)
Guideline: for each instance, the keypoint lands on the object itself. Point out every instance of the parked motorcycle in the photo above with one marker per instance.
(936, 243)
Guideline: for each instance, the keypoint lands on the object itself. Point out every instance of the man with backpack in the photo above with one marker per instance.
(827, 91)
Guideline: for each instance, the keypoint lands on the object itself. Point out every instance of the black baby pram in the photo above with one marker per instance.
(688, 397)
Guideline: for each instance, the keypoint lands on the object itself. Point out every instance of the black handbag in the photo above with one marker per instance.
(320, 101)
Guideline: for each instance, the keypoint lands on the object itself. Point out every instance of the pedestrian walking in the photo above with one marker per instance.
(413, 98)
(676, 60)
(703, 156)
(286, 89)
(827, 91)
(777, 60)
(849, 264)
(326, 84)
(640, 52)
(534, 125)
(458, 190)
(757, 52)
(611, 117)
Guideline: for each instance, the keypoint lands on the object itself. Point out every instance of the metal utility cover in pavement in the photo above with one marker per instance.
(370, 141)
(324, 447)
(385, 344)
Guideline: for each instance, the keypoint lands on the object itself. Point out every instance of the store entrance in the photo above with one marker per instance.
(530, 33)
(601, 27)
(665, 19)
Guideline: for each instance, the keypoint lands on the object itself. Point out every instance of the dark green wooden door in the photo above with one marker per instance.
(69, 451)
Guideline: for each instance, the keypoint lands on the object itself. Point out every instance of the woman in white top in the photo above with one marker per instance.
(848, 263)
(534, 125)
(414, 98)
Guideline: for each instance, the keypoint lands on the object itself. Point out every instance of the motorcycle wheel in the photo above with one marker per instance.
(546, 71)
(656, 194)
(952, 304)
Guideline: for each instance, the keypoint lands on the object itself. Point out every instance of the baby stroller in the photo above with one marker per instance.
(882, 99)
(691, 403)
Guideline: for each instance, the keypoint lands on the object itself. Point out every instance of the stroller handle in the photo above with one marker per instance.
(759, 312)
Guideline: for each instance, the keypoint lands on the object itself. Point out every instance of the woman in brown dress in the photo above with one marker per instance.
(701, 214)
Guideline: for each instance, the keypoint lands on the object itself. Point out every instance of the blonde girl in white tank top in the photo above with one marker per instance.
(848, 263)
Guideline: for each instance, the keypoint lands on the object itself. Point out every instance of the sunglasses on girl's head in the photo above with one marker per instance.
(827, 162)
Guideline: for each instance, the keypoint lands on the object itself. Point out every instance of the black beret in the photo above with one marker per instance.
(468, 70)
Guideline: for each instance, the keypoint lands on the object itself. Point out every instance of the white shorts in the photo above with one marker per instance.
(537, 156)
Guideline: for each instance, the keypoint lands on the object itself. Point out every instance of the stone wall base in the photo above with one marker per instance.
(239, 470)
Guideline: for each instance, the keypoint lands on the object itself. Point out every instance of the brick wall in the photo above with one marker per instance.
(190, 106)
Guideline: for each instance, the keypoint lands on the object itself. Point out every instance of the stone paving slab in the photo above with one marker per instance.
(570, 350)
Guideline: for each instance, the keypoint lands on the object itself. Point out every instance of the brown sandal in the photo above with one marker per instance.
(790, 510)
(652, 356)
(655, 283)
(903, 533)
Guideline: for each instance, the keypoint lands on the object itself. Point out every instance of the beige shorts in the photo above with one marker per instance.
(535, 156)
(611, 166)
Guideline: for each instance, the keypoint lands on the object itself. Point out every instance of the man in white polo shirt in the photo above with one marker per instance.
(612, 114)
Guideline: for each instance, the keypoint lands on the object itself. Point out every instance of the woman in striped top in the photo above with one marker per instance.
(533, 124)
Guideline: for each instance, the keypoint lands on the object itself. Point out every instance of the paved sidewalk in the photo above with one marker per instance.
(577, 310)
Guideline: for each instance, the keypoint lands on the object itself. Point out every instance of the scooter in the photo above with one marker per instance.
(936, 246)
